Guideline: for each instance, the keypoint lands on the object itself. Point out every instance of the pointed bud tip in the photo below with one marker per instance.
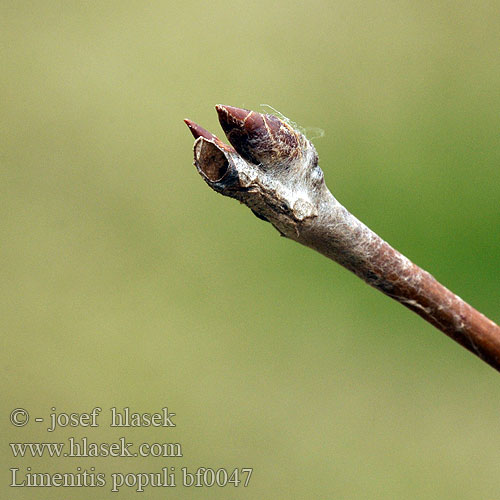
(198, 130)
(231, 113)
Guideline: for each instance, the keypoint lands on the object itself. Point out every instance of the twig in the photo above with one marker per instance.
(273, 169)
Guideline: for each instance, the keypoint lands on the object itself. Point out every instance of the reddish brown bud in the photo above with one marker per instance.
(259, 138)
(199, 131)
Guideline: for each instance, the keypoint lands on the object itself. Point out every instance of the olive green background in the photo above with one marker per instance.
(125, 281)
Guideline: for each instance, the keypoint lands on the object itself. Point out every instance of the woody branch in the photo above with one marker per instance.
(273, 169)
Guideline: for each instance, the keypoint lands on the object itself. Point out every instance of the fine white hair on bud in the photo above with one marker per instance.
(262, 139)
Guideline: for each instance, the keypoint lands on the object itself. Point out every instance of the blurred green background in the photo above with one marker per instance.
(127, 282)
